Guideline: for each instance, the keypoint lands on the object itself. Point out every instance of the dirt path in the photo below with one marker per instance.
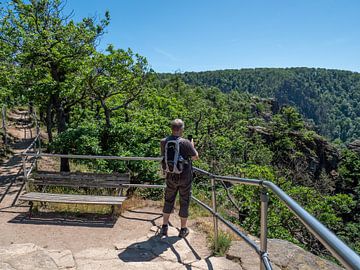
(11, 169)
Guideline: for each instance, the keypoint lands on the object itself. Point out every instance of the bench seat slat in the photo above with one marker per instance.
(113, 178)
(72, 198)
(81, 177)
(66, 174)
(78, 183)
(80, 180)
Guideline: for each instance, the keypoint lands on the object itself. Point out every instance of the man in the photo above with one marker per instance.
(178, 182)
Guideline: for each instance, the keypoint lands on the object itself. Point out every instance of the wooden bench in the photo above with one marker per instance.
(44, 179)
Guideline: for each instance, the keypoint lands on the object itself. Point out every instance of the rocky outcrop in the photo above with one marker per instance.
(355, 146)
(30, 256)
(151, 252)
(312, 162)
(283, 255)
(156, 253)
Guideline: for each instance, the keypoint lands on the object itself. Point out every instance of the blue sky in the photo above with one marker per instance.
(196, 35)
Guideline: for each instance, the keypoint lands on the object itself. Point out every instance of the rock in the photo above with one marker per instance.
(242, 253)
(283, 255)
(218, 263)
(171, 248)
(117, 264)
(63, 258)
(6, 266)
(355, 146)
(134, 257)
(96, 254)
(290, 256)
(178, 251)
(151, 253)
(25, 257)
(125, 243)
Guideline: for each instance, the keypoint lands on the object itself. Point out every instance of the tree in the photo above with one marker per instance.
(50, 48)
(116, 79)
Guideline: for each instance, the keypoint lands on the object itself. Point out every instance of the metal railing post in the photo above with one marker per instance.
(264, 198)
(215, 219)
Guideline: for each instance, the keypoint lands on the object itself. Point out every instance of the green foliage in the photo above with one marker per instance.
(82, 140)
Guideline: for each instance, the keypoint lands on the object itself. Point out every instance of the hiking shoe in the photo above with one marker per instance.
(164, 230)
(184, 232)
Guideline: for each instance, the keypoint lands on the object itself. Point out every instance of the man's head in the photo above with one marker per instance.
(177, 127)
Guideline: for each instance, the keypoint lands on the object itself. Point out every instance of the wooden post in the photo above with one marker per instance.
(4, 125)
(37, 126)
(215, 219)
(30, 123)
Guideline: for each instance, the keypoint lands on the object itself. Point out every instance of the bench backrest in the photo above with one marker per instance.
(79, 179)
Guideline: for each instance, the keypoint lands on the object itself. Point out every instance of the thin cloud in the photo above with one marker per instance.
(167, 55)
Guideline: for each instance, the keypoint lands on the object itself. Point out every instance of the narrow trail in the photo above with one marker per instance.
(11, 183)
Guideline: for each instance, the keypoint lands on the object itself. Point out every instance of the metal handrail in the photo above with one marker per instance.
(338, 248)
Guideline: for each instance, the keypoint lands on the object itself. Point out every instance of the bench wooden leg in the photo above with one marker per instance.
(31, 204)
(114, 210)
(111, 216)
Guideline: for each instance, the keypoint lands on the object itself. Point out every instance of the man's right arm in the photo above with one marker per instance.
(195, 153)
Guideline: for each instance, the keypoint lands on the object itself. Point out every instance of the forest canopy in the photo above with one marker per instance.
(328, 99)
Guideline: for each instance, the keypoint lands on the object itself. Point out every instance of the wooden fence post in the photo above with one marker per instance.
(4, 125)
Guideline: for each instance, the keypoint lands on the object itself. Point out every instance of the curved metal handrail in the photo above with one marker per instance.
(349, 258)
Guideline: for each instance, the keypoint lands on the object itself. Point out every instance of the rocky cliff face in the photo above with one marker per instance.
(355, 146)
(283, 255)
(312, 162)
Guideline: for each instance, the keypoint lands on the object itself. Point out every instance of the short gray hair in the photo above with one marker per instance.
(177, 124)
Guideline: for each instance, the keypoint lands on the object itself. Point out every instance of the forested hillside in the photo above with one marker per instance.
(326, 98)
(112, 103)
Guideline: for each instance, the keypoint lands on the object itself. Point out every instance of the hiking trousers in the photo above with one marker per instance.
(178, 183)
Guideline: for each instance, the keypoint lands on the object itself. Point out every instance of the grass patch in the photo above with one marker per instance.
(224, 238)
(74, 209)
(223, 243)
(196, 211)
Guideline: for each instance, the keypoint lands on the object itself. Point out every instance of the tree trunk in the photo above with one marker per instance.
(62, 118)
(31, 107)
(58, 75)
(49, 121)
(107, 113)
